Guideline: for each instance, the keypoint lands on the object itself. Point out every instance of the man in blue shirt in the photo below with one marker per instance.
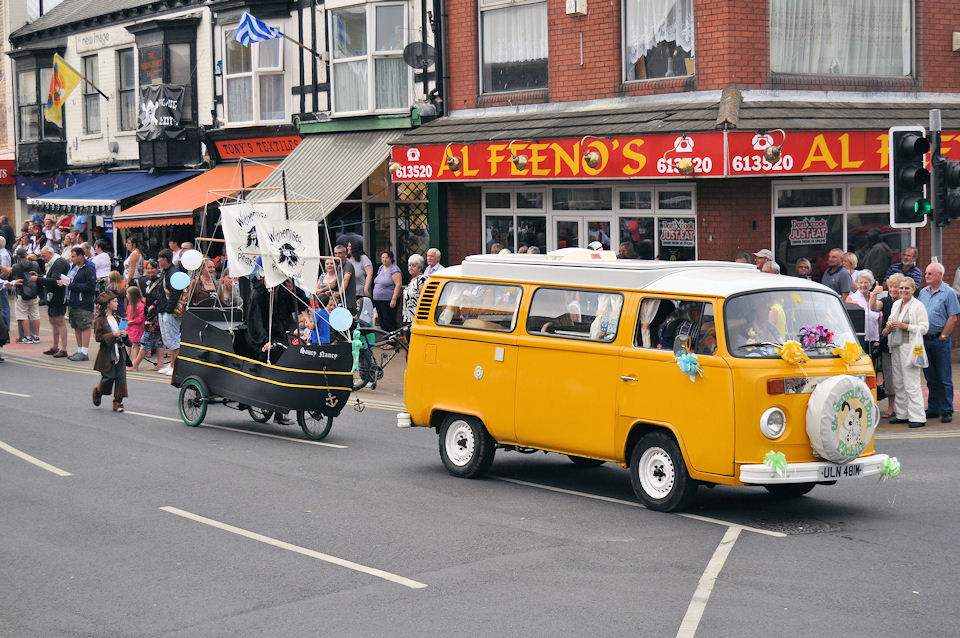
(907, 266)
(942, 310)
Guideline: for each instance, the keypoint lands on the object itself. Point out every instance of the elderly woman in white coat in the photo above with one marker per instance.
(908, 318)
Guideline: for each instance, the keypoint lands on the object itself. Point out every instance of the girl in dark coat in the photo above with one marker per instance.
(111, 360)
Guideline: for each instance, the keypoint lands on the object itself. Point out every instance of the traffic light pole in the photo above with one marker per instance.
(936, 231)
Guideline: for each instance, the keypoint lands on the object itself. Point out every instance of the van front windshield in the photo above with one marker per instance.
(756, 323)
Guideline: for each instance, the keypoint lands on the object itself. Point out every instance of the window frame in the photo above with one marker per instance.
(570, 335)
(494, 5)
(450, 285)
(625, 43)
(126, 91)
(91, 97)
(370, 58)
(253, 75)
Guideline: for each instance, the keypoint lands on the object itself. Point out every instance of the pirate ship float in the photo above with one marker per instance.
(220, 362)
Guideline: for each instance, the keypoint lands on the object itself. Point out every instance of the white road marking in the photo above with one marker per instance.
(30, 459)
(16, 394)
(688, 627)
(696, 517)
(920, 435)
(372, 571)
(223, 427)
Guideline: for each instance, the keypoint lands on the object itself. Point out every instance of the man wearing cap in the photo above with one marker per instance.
(762, 257)
(836, 276)
(55, 295)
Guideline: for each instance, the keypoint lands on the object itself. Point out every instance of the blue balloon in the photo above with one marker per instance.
(340, 319)
(179, 280)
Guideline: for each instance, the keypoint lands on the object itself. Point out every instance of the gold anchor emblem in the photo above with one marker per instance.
(331, 400)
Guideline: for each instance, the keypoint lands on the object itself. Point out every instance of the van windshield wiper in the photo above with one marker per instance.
(759, 344)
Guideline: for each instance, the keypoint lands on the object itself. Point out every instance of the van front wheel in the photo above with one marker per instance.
(465, 446)
(659, 475)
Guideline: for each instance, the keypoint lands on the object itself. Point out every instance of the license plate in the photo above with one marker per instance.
(838, 472)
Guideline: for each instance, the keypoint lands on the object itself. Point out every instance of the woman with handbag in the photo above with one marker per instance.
(111, 361)
(906, 327)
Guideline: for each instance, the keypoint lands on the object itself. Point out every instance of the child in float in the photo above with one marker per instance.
(321, 321)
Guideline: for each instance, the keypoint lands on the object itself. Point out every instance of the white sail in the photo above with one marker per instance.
(240, 233)
(293, 248)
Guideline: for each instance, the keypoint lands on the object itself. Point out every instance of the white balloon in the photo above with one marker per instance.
(192, 259)
(340, 319)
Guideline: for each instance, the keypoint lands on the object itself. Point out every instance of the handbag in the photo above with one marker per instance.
(918, 354)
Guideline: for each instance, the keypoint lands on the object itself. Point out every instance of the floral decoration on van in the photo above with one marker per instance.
(889, 468)
(850, 353)
(792, 352)
(815, 336)
(687, 362)
(777, 462)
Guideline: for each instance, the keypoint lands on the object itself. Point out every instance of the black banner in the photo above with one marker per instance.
(160, 109)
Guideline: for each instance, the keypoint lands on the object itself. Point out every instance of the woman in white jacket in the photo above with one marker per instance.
(908, 318)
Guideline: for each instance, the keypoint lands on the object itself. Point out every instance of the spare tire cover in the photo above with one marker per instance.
(841, 418)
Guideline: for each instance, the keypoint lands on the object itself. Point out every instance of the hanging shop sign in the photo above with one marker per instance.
(589, 158)
(258, 147)
(817, 152)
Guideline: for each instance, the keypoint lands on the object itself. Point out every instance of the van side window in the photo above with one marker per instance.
(665, 324)
(575, 314)
(479, 306)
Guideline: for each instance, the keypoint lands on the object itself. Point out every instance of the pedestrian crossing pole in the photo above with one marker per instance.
(936, 231)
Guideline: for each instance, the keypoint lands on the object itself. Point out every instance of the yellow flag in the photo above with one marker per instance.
(63, 80)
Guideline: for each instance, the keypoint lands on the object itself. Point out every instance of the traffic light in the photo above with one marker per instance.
(909, 180)
(947, 200)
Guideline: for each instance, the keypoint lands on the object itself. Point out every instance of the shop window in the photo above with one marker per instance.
(254, 79)
(478, 306)
(531, 232)
(636, 238)
(513, 54)
(657, 223)
(636, 200)
(582, 198)
(678, 238)
(658, 38)
(829, 37)
(498, 230)
(127, 89)
(369, 73)
(575, 314)
(675, 200)
(494, 199)
(809, 222)
(91, 98)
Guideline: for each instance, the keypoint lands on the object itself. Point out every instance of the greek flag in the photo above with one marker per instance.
(254, 30)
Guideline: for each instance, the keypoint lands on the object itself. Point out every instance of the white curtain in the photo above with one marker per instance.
(350, 86)
(515, 34)
(649, 22)
(648, 311)
(841, 37)
(391, 83)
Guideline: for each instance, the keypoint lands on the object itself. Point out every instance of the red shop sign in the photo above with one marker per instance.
(817, 153)
(258, 147)
(8, 170)
(619, 158)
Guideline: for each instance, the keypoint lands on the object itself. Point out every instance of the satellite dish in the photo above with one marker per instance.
(419, 55)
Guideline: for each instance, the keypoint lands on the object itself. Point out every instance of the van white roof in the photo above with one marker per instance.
(565, 268)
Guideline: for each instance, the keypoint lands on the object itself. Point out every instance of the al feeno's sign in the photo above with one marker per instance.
(803, 153)
(619, 158)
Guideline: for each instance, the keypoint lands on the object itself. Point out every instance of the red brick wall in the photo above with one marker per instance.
(464, 222)
(733, 215)
(732, 47)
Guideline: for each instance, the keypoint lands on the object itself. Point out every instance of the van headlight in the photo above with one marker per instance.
(773, 423)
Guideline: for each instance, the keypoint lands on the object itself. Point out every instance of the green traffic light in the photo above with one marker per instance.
(922, 207)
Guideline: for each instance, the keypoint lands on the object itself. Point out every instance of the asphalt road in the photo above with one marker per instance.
(163, 530)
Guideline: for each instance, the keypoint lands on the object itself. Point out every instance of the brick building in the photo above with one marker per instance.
(567, 122)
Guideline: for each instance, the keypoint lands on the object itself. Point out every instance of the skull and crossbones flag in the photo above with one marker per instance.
(240, 233)
(293, 248)
(161, 106)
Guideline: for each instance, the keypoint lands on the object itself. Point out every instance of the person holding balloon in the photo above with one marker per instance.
(173, 282)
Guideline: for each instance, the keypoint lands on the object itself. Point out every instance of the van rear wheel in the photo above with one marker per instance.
(466, 447)
(659, 475)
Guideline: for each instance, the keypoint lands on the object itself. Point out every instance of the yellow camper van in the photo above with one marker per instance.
(675, 370)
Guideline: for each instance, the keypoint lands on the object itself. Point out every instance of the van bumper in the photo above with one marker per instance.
(812, 472)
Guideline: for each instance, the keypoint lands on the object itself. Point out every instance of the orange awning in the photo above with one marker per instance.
(176, 205)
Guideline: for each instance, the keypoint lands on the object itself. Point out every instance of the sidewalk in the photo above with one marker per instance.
(389, 391)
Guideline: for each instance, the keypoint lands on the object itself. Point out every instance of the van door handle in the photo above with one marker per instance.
(626, 378)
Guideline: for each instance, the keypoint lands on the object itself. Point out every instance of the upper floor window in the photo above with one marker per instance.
(127, 89)
(254, 78)
(369, 73)
(835, 37)
(513, 54)
(658, 38)
(32, 89)
(91, 98)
